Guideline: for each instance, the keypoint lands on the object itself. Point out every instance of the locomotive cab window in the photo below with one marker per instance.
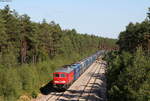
(56, 75)
(63, 75)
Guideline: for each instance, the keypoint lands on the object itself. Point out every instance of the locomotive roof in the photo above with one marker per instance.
(65, 69)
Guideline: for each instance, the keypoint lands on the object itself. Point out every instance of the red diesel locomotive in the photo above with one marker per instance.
(63, 77)
(66, 75)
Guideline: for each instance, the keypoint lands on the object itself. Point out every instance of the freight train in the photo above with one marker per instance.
(65, 76)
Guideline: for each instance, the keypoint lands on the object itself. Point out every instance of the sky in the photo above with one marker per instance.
(106, 18)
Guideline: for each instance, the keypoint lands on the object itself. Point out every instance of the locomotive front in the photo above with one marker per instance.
(63, 78)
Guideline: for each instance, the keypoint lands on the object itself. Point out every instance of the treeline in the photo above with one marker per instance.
(31, 42)
(128, 75)
(31, 51)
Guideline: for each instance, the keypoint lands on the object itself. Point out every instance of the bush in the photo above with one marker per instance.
(10, 87)
(34, 94)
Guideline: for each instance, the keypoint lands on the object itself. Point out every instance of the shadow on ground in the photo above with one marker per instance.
(47, 89)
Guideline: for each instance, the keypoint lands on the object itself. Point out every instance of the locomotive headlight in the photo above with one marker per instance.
(60, 81)
(56, 81)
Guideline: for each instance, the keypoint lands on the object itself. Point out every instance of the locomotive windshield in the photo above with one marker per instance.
(59, 75)
(63, 75)
(56, 75)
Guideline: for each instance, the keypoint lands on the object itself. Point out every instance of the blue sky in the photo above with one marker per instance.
(105, 18)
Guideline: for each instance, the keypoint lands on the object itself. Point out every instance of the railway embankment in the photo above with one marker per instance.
(91, 86)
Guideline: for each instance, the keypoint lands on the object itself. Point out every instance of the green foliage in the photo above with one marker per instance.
(128, 77)
(135, 35)
(25, 41)
(10, 86)
(34, 94)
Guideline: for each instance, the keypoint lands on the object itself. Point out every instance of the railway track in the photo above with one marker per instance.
(78, 87)
(82, 89)
(61, 96)
(89, 87)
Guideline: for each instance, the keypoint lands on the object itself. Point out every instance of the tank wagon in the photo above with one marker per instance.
(65, 76)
